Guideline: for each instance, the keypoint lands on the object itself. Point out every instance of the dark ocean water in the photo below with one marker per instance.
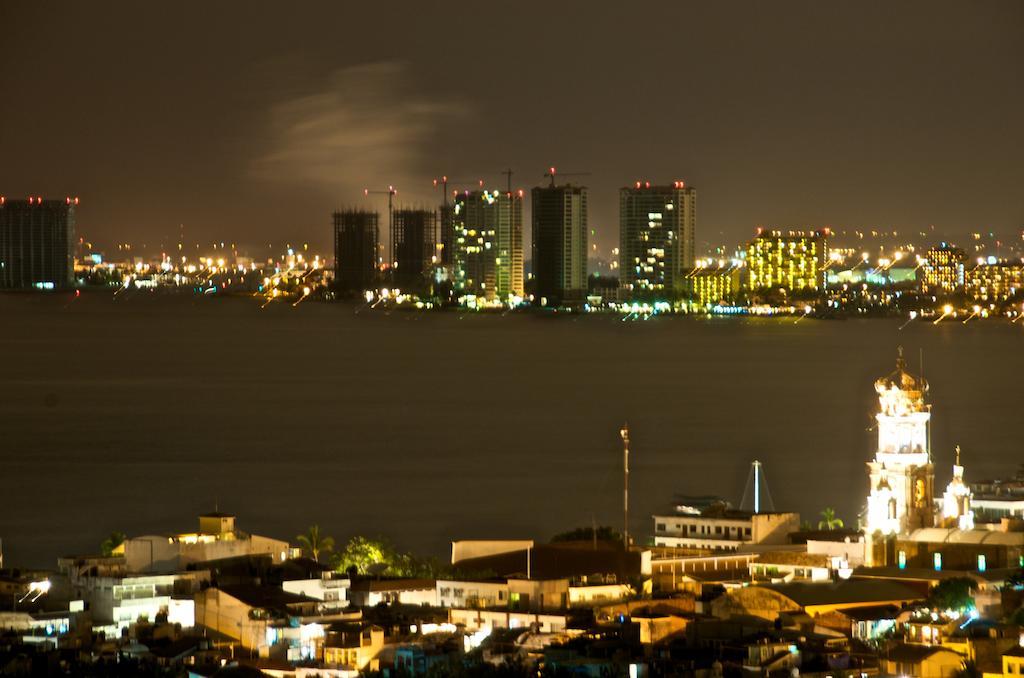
(138, 414)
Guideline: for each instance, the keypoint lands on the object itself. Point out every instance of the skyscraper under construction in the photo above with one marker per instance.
(356, 234)
(415, 246)
(36, 243)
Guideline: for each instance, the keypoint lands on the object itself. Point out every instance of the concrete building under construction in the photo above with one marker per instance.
(414, 234)
(36, 243)
(356, 235)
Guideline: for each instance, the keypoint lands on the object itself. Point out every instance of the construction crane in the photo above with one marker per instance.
(508, 179)
(391, 193)
(443, 182)
(550, 174)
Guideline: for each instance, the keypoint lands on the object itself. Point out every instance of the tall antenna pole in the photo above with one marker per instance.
(625, 484)
(757, 489)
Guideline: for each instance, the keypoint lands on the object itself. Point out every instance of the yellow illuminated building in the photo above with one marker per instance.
(793, 261)
(997, 281)
(715, 285)
(943, 269)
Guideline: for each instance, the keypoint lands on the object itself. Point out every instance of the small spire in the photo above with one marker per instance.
(957, 455)
(901, 364)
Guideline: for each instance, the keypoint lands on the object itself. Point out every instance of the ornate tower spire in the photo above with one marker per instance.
(956, 502)
(902, 479)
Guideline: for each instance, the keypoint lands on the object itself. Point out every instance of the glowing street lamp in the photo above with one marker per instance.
(39, 588)
(912, 318)
(976, 310)
(947, 311)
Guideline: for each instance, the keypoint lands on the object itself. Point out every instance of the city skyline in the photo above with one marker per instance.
(390, 340)
(904, 117)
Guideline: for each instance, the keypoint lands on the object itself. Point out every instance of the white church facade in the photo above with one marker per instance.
(901, 497)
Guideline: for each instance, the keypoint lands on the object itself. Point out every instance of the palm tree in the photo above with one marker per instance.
(108, 545)
(828, 520)
(313, 544)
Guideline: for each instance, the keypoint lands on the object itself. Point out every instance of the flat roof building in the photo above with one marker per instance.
(487, 245)
(37, 243)
(791, 261)
(943, 269)
(559, 244)
(720, 528)
(415, 243)
(657, 226)
(356, 236)
(995, 281)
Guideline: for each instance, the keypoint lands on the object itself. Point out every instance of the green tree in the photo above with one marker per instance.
(314, 544)
(953, 594)
(829, 521)
(108, 545)
(367, 556)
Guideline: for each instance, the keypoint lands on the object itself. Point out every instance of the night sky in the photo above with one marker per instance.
(250, 122)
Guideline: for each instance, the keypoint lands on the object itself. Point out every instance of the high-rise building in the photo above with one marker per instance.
(560, 244)
(901, 475)
(995, 281)
(712, 285)
(37, 243)
(792, 261)
(657, 227)
(356, 236)
(943, 269)
(487, 245)
(415, 234)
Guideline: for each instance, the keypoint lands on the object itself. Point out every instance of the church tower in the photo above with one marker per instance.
(902, 478)
(956, 502)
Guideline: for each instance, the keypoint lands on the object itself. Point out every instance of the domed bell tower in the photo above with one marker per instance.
(902, 478)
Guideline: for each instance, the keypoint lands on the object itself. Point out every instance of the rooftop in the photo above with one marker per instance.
(267, 597)
(956, 536)
(906, 652)
(798, 558)
(560, 560)
(844, 592)
(392, 584)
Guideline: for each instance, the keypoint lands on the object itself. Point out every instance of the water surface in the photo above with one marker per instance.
(137, 414)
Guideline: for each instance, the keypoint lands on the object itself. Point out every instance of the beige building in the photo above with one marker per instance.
(258, 617)
(372, 592)
(782, 566)
(476, 620)
(921, 661)
(472, 594)
(356, 648)
(216, 538)
(723, 529)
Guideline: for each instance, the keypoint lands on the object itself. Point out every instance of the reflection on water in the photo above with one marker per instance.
(137, 414)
